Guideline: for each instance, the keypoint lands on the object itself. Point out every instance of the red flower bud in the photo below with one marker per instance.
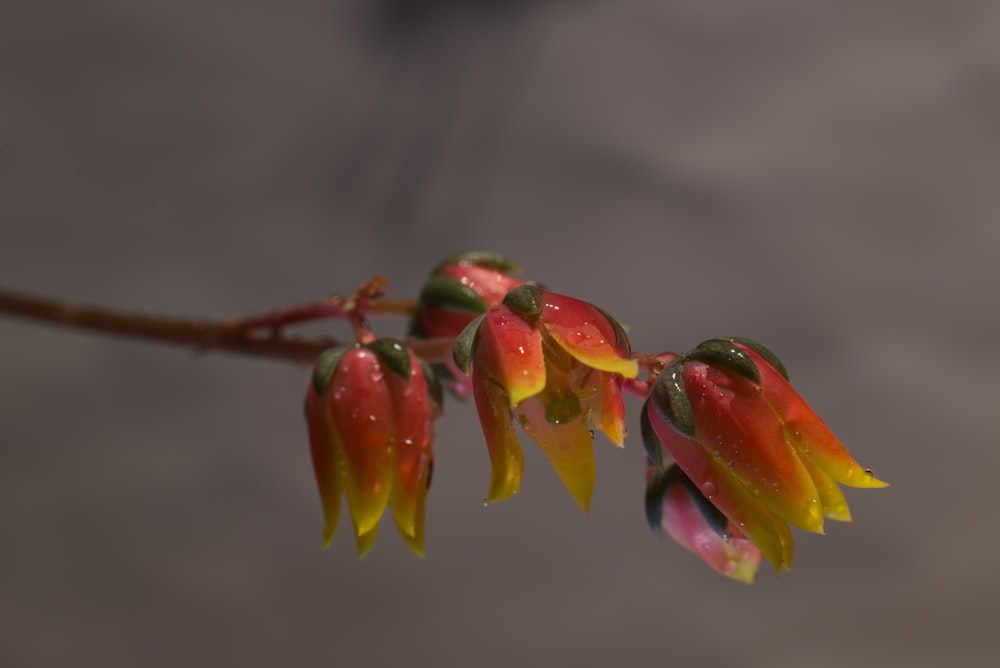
(370, 412)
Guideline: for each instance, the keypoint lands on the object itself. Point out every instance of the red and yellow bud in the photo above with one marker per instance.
(727, 415)
(459, 289)
(370, 412)
(555, 365)
(675, 505)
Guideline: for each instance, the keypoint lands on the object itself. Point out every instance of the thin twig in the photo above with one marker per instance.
(232, 336)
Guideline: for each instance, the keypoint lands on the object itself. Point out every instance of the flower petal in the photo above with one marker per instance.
(413, 418)
(731, 554)
(609, 407)
(506, 456)
(568, 445)
(361, 415)
(740, 429)
(365, 541)
(808, 433)
(509, 350)
(327, 461)
(832, 499)
(588, 334)
(489, 283)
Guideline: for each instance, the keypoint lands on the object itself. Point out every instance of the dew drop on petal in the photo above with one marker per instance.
(708, 489)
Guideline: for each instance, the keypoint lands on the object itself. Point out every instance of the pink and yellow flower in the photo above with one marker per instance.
(554, 365)
(675, 505)
(370, 411)
(727, 415)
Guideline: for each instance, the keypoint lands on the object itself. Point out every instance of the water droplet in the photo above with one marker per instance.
(375, 375)
(372, 417)
(408, 441)
(869, 472)
(592, 434)
(708, 489)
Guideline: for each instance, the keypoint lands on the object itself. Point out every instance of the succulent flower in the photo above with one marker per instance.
(727, 415)
(370, 411)
(554, 365)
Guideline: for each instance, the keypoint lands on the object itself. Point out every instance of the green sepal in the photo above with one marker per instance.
(326, 365)
(656, 490)
(433, 384)
(670, 399)
(488, 259)
(525, 300)
(392, 353)
(448, 292)
(723, 353)
(650, 441)
(465, 343)
(771, 358)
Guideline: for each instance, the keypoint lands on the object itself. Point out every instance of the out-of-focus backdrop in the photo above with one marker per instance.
(819, 176)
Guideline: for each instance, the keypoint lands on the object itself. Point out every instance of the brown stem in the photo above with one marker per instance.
(243, 337)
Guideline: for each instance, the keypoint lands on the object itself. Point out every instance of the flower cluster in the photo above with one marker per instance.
(735, 455)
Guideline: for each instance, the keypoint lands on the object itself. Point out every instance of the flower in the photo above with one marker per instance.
(555, 364)
(674, 504)
(727, 415)
(460, 288)
(370, 411)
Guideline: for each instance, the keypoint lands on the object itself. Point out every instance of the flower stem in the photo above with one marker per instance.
(259, 336)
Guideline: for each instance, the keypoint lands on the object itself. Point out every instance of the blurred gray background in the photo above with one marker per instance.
(820, 176)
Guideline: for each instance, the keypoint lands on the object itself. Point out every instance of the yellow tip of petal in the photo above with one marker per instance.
(365, 541)
(519, 391)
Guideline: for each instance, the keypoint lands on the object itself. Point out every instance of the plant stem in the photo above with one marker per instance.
(255, 336)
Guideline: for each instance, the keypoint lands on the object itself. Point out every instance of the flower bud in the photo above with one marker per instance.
(370, 411)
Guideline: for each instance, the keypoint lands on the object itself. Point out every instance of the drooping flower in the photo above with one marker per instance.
(370, 411)
(727, 415)
(675, 505)
(554, 364)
